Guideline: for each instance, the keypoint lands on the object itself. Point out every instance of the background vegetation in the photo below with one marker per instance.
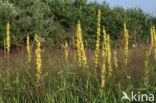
(55, 20)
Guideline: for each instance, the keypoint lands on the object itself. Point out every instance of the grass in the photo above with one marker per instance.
(64, 82)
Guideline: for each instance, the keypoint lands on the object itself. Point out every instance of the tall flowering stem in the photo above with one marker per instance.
(78, 44)
(82, 59)
(8, 38)
(38, 58)
(66, 51)
(104, 45)
(126, 44)
(28, 49)
(103, 70)
(154, 36)
(109, 56)
(98, 39)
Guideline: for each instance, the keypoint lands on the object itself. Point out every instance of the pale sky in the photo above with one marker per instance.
(148, 6)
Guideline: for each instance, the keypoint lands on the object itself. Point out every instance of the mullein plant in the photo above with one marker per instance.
(78, 45)
(98, 39)
(28, 49)
(104, 46)
(66, 51)
(146, 66)
(82, 59)
(152, 35)
(38, 58)
(8, 38)
(109, 57)
(7, 41)
(126, 44)
(103, 70)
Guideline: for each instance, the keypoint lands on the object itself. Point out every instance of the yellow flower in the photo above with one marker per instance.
(28, 49)
(66, 51)
(109, 56)
(82, 59)
(154, 37)
(78, 44)
(38, 58)
(126, 44)
(8, 37)
(103, 70)
(98, 39)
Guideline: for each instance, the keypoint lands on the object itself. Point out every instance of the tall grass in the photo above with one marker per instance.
(65, 83)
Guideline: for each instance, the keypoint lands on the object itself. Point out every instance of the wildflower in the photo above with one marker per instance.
(126, 44)
(8, 38)
(66, 51)
(109, 56)
(103, 70)
(82, 60)
(98, 39)
(38, 58)
(28, 49)
(115, 60)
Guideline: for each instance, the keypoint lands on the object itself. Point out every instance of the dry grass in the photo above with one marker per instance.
(74, 82)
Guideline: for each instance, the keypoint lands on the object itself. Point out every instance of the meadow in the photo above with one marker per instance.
(65, 82)
(36, 74)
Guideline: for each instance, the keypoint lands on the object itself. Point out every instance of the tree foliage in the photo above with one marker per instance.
(56, 20)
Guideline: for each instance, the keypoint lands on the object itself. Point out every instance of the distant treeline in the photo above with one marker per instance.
(56, 21)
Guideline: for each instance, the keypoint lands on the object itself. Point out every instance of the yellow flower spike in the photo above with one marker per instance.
(154, 36)
(66, 51)
(78, 44)
(8, 38)
(103, 70)
(109, 56)
(38, 58)
(126, 44)
(98, 39)
(28, 49)
(82, 59)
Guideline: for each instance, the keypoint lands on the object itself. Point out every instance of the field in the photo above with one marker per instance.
(65, 82)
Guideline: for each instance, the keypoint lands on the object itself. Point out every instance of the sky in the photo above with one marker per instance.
(148, 6)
